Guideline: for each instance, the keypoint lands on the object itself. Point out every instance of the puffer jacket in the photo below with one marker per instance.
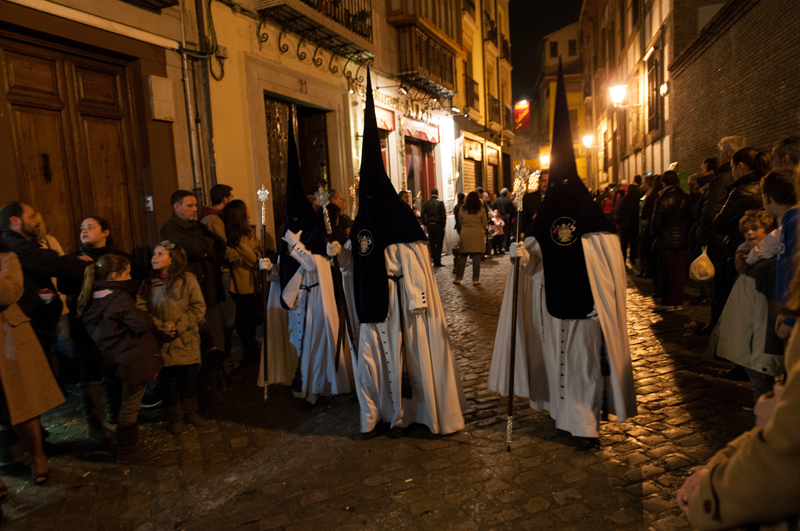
(184, 306)
(671, 218)
(744, 195)
(122, 332)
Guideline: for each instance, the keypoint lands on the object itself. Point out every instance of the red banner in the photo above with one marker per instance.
(522, 115)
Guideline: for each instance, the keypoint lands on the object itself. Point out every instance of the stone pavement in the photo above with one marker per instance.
(259, 467)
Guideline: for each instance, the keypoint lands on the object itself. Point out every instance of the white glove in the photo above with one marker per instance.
(291, 238)
(265, 264)
(518, 251)
(333, 249)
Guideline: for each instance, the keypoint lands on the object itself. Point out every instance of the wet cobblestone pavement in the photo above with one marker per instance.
(257, 467)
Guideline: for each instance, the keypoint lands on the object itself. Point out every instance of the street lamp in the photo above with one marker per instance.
(544, 160)
(588, 140)
(618, 94)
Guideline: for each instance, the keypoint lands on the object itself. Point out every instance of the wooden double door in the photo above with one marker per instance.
(67, 114)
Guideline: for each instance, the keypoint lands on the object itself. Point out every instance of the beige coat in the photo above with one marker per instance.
(473, 231)
(184, 306)
(756, 478)
(243, 273)
(27, 381)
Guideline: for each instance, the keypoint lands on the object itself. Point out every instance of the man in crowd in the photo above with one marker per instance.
(205, 250)
(715, 199)
(210, 216)
(506, 208)
(533, 200)
(786, 154)
(21, 226)
(628, 222)
(434, 217)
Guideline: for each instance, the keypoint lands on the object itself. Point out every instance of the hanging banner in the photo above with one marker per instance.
(522, 115)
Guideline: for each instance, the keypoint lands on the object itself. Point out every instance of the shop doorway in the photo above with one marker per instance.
(312, 144)
(70, 128)
(420, 168)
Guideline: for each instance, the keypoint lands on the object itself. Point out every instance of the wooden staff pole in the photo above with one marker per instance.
(263, 196)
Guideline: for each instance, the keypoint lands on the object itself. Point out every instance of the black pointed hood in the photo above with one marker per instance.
(383, 219)
(567, 213)
(300, 215)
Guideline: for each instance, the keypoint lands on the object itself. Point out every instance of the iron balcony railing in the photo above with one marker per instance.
(420, 55)
(355, 15)
(494, 109)
(473, 99)
(505, 48)
(508, 118)
(491, 29)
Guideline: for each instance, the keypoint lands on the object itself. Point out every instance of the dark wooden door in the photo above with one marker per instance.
(70, 125)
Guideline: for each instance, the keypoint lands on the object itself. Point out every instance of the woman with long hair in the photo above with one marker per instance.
(241, 238)
(473, 220)
(175, 302)
(27, 387)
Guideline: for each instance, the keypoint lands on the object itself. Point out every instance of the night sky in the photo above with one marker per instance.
(530, 21)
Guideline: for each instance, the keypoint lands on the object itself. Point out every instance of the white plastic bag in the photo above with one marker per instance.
(702, 269)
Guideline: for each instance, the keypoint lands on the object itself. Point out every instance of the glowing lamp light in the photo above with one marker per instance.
(588, 140)
(617, 94)
(664, 89)
(545, 160)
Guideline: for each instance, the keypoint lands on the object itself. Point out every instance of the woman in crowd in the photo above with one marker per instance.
(63, 341)
(457, 248)
(96, 242)
(670, 230)
(646, 253)
(124, 336)
(27, 386)
(241, 238)
(174, 300)
(473, 221)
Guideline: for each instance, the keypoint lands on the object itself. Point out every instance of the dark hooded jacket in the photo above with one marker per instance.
(715, 198)
(122, 332)
(744, 195)
(671, 218)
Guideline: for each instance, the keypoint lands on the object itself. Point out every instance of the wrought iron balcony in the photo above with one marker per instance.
(505, 48)
(425, 63)
(494, 110)
(508, 118)
(491, 28)
(471, 94)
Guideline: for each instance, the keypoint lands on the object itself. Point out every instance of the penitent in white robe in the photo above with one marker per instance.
(312, 324)
(437, 397)
(558, 361)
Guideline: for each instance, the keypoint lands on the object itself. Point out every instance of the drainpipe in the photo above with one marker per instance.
(205, 89)
(187, 98)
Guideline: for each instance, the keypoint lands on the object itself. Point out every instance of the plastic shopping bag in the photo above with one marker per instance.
(702, 269)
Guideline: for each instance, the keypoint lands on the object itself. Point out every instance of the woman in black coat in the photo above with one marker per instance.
(670, 229)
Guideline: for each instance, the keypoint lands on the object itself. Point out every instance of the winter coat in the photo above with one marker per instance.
(627, 216)
(433, 212)
(26, 381)
(506, 208)
(715, 198)
(38, 267)
(744, 195)
(205, 251)
(455, 215)
(122, 332)
(473, 231)
(183, 306)
(671, 216)
(243, 274)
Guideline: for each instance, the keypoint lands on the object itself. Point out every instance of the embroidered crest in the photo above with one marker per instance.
(365, 242)
(563, 231)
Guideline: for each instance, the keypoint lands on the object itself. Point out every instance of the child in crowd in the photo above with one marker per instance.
(174, 300)
(123, 334)
(746, 335)
(497, 231)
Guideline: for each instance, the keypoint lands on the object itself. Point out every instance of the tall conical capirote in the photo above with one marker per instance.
(383, 219)
(300, 214)
(567, 213)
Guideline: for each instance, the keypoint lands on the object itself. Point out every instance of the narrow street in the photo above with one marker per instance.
(257, 467)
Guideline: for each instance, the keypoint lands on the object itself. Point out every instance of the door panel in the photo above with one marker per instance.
(107, 177)
(32, 76)
(43, 169)
(97, 88)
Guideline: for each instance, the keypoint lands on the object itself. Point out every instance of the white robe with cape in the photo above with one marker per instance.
(437, 397)
(312, 325)
(558, 361)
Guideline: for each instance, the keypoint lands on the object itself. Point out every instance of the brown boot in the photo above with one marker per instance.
(190, 412)
(128, 448)
(175, 418)
(94, 411)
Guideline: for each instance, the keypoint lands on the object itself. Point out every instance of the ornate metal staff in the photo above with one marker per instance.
(263, 196)
(354, 197)
(323, 200)
(521, 182)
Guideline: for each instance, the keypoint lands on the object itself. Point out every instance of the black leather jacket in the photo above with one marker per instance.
(671, 218)
(715, 198)
(744, 195)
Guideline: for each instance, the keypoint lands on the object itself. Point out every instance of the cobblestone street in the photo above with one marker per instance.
(257, 467)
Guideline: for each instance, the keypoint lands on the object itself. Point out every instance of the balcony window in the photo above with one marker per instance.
(554, 50)
(653, 96)
(494, 109)
(573, 47)
(471, 94)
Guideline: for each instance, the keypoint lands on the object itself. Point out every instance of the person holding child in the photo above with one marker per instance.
(124, 336)
(174, 300)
